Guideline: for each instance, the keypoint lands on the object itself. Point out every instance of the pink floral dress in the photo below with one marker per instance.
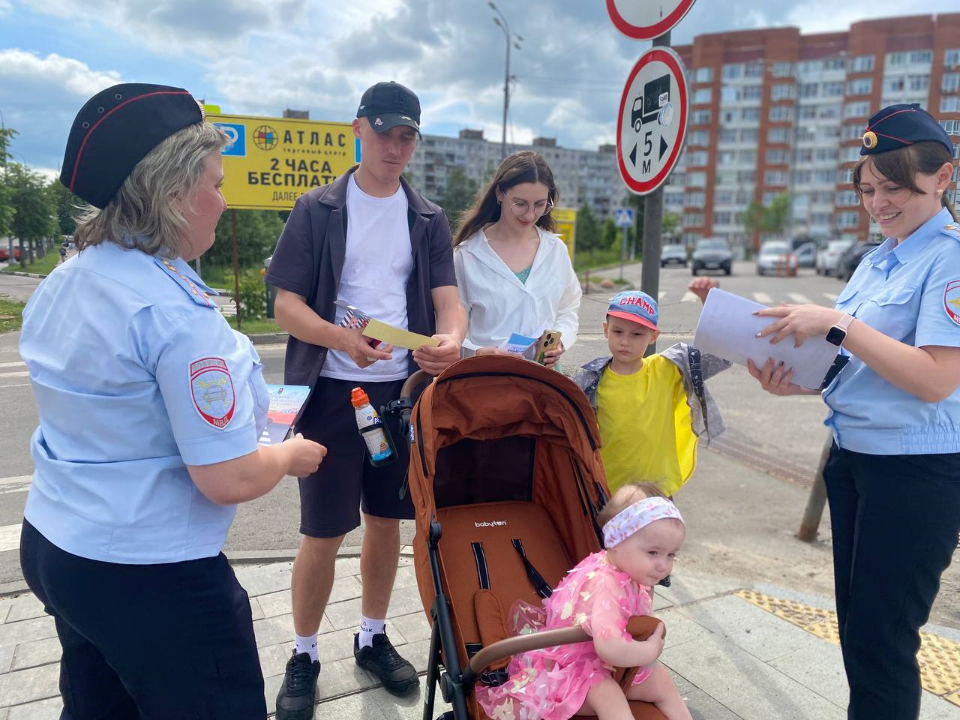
(553, 683)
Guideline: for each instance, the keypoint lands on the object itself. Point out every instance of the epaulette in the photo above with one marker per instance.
(200, 297)
(953, 230)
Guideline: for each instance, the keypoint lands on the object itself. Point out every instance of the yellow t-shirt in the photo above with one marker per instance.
(645, 426)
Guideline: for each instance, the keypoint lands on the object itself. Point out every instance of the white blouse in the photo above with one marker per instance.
(498, 304)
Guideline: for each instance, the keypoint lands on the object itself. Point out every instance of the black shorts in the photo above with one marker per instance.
(172, 640)
(331, 498)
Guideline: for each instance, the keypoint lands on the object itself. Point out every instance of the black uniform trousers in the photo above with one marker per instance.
(150, 642)
(896, 520)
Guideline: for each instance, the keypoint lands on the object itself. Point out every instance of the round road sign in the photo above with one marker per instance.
(652, 123)
(647, 19)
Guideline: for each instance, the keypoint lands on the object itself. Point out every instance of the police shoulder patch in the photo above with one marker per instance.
(951, 300)
(211, 389)
(953, 230)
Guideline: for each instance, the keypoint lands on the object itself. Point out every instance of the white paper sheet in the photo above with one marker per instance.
(728, 329)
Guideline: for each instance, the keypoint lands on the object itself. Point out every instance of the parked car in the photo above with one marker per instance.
(776, 258)
(712, 254)
(828, 259)
(852, 256)
(5, 253)
(806, 254)
(673, 255)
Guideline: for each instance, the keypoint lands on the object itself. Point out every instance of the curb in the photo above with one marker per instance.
(268, 338)
(25, 274)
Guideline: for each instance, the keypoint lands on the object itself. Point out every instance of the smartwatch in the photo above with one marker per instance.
(838, 333)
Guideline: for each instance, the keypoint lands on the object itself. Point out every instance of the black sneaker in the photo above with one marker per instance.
(384, 662)
(297, 695)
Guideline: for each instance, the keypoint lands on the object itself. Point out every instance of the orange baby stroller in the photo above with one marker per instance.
(506, 480)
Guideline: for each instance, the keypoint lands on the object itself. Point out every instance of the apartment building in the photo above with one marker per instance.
(774, 111)
(583, 176)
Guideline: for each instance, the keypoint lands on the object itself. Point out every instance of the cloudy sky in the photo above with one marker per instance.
(259, 56)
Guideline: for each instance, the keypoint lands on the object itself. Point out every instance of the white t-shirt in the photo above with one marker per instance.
(376, 268)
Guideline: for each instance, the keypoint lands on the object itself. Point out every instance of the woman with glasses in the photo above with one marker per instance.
(513, 272)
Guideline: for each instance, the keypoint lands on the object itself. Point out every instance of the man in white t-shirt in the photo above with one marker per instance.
(368, 240)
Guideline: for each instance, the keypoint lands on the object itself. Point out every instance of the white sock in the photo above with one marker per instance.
(307, 645)
(369, 628)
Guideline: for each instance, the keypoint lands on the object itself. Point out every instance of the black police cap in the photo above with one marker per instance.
(898, 126)
(115, 130)
(388, 104)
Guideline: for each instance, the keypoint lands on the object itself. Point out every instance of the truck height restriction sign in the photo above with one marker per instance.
(652, 123)
(271, 162)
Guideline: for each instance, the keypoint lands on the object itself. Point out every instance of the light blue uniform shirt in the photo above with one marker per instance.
(136, 373)
(910, 292)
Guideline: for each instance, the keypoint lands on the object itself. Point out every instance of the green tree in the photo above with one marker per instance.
(68, 206)
(589, 233)
(34, 212)
(257, 235)
(759, 219)
(611, 235)
(459, 194)
(6, 207)
(635, 234)
(670, 225)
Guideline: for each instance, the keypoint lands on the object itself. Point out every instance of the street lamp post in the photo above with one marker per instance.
(515, 40)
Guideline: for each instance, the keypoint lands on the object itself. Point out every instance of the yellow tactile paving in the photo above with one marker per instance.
(939, 658)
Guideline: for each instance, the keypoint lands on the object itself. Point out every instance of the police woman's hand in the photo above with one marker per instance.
(359, 349)
(701, 286)
(304, 456)
(801, 321)
(775, 379)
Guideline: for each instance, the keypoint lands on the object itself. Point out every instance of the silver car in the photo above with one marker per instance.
(673, 255)
(828, 259)
(776, 258)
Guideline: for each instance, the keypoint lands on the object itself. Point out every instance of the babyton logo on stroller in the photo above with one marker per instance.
(491, 523)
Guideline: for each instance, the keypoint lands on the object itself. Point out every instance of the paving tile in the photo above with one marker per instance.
(263, 579)
(273, 658)
(38, 652)
(680, 628)
(406, 577)
(27, 631)
(762, 634)
(273, 630)
(345, 614)
(43, 710)
(28, 685)
(704, 707)
(280, 603)
(341, 677)
(409, 707)
(688, 588)
(660, 601)
(25, 607)
(256, 612)
(348, 566)
(4, 611)
(935, 708)
(363, 705)
(6, 659)
(819, 667)
(744, 685)
(413, 627)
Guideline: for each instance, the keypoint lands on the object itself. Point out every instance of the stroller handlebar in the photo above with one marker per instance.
(640, 627)
(420, 377)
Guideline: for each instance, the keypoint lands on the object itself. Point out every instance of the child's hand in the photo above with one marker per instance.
(651, 648)
(701, 286)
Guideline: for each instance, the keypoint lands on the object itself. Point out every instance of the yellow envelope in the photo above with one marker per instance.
(397, 337)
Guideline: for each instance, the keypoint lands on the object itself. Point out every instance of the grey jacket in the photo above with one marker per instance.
(710, 426)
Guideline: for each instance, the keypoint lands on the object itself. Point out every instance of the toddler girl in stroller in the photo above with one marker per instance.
(642, 533)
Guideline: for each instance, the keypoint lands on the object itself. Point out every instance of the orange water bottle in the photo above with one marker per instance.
(374, 433)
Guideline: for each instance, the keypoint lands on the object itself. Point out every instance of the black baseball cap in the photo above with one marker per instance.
(115, 130)
(388, 104)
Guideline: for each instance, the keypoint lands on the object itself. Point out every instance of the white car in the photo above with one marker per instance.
(776, 258)
(673, 255)
(828, 259)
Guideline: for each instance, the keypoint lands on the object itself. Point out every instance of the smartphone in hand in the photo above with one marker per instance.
(550, 340)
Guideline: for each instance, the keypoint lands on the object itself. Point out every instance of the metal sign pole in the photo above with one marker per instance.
(623, 249)
(236, 267)
(652, 222)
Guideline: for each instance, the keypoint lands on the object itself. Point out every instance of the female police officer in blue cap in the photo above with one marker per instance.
(893, 474)
(150, 411)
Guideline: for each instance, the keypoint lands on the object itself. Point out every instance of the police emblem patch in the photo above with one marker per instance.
(951, 300)
(211, 389)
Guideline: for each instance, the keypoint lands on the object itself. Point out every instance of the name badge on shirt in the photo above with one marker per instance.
(211, 388)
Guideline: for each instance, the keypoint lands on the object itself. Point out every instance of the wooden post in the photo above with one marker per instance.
(818, 498)
(236, 266)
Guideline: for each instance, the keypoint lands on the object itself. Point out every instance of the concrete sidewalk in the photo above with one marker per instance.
(736, 650)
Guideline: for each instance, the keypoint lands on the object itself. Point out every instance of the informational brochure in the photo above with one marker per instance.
(397, 337)
(286, 401)
(521, 345)
(728, 329)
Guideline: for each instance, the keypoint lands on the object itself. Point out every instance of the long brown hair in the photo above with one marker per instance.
(901, 166)
(520, 167)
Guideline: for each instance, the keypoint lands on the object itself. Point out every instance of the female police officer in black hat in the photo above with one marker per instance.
(150, 412)
(893, 474)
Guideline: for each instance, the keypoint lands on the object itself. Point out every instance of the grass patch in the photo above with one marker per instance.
(42, 266)
(11, 315)
(255, 327)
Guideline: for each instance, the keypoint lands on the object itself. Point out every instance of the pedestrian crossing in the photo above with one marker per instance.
(13, 371)
(825, 298)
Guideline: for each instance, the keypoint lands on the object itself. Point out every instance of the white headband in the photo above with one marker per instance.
(626, 522)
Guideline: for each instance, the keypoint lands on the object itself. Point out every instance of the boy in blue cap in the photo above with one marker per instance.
(650, 410)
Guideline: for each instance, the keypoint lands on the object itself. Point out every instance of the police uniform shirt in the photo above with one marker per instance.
(136, 374)
(910, 292)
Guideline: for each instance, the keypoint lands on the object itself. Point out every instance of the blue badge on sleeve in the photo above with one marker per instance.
(211, 388)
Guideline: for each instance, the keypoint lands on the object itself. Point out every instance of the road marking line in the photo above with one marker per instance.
(661, 295)
(10, 537)
(13, 364)
(762, 297)
(16, 480)
(689, 297)
(23, 373)
(13, 386)
(831, 297)
(798, 298)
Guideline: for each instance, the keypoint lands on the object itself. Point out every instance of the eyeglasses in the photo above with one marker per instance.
(522, 207)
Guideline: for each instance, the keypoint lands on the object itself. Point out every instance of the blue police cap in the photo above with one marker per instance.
(115, 130)
(898, 126)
